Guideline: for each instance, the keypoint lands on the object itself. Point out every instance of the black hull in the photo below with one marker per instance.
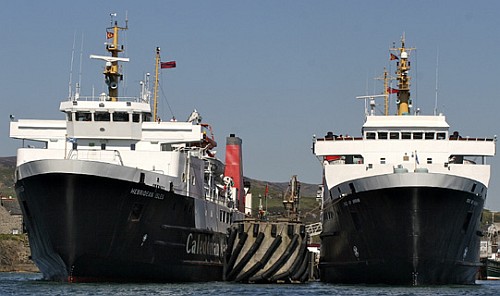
(89, 228)
(402, 235)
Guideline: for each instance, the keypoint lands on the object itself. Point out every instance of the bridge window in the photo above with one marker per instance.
(441, 136)
(136, 117)
(429, 136)
(418, 136)
(370, 136)
(102, 116)
(406, 135)
(120, 116)
(83, 116)
(69, 116)
(394, 136)
(382, 135)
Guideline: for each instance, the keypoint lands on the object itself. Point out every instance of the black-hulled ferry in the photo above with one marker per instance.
(402, 203)
(115, 194)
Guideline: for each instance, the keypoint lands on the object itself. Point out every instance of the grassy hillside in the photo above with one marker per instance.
(309, 207)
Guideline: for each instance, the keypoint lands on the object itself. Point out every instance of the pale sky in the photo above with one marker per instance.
(273, 72)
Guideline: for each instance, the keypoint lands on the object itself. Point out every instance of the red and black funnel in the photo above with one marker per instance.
(234, 168)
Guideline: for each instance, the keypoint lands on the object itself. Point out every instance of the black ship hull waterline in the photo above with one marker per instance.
(403, 235)
(92, 228)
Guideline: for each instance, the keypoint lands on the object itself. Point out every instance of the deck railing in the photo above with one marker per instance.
(110, 156)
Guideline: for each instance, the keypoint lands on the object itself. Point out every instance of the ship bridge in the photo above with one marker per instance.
(105, 119)
(404, 142)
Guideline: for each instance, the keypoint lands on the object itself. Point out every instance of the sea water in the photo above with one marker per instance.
(32, 284)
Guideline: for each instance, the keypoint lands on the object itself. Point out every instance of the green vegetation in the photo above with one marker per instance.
(487, 218)
(309, 207)
(7, 166)
(13, 237)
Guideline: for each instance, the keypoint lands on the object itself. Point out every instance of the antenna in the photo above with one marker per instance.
(126, 19)
(112, 15)
(437, 67)
(78, 86)
(71, 66)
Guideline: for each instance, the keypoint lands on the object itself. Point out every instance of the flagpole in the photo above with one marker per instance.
(155, 97)
(437, 67)
(265, 197)
(386, 93)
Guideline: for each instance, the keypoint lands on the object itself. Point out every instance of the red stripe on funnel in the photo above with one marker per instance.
(234, 168)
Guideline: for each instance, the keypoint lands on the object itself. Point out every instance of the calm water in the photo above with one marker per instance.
(30, 284)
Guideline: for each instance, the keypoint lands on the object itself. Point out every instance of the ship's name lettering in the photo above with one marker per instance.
(147, 193)
(199, 244)
(472, 202)
(351, 202)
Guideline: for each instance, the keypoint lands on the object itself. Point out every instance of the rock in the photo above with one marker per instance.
(15, 254)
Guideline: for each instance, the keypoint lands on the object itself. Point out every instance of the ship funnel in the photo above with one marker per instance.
(234, 168)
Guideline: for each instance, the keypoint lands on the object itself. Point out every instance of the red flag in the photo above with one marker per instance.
(109, 35)
(392, 90)
(168, 65)
(266, 191)
(394, 57)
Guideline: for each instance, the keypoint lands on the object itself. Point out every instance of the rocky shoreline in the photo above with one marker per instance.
(15, 254)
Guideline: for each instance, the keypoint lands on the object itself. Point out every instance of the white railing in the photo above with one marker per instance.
(314, 229)
(109, 156)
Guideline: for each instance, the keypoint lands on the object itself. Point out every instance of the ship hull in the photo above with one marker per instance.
(493, 269)
(400, 234)
(91, 227)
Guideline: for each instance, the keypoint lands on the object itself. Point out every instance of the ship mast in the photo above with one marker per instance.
(404, 101)
(385, 77)
(112, 75)
(155, 95)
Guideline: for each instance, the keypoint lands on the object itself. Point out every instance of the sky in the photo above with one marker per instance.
(273, 72)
